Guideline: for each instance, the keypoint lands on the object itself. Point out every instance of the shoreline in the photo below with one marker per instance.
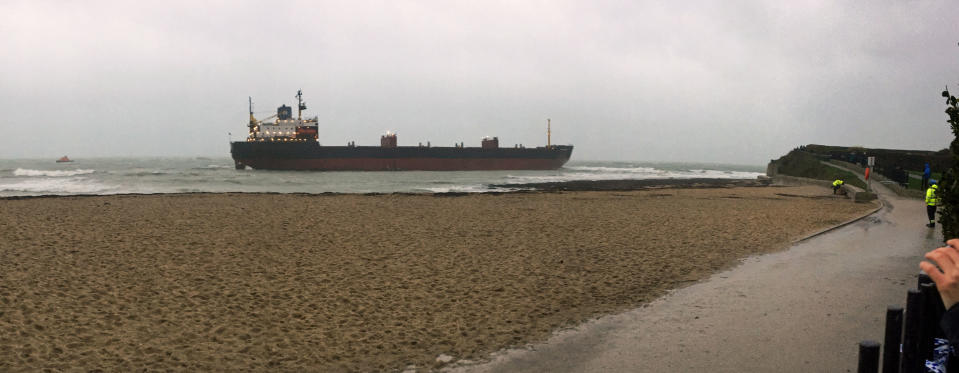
(359, 282)
(559, 186)
(637, 184)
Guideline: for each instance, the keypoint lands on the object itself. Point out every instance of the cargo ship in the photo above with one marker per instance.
(289, 143)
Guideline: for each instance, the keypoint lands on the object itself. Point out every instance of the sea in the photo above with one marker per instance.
(103, 176)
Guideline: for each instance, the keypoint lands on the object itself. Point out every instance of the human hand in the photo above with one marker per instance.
(946, 276)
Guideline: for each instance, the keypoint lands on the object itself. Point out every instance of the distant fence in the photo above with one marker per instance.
(910, 341)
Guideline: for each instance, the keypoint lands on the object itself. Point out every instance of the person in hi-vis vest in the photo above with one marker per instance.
(836, 185)
(931, 200)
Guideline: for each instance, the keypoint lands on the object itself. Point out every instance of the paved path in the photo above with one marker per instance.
(857, 173)
(801, 310)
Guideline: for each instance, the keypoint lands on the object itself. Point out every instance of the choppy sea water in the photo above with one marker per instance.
(30, 177)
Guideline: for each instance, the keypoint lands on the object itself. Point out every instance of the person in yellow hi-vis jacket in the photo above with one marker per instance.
(931, 200)
(836, 185)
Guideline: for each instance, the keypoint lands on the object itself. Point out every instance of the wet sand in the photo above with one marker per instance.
(271, 282)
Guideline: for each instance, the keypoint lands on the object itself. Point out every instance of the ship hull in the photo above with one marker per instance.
(311, 156)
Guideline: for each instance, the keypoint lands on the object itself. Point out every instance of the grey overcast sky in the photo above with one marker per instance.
(711, 81)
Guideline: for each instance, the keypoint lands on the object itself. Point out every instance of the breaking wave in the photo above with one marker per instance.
(51, 173)
(615, 170)
(625, 173)
(73, 185)
(214, 167)
(171, 175)
(455, 189)
(144, 173)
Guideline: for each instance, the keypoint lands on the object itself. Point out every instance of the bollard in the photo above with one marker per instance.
(868, 357)
(890, 355)
(910, 338)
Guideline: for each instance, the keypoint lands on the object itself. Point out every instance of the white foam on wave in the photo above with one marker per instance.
(458, 189)
(214, 167)
(613, 173)
(73, 185)
(139, 172)
(618, 170)
(717, 174)
(51, 173)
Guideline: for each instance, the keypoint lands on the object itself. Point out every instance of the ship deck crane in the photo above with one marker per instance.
(255, 123)
(264, 119)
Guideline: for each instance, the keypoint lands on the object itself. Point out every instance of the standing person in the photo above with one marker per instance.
(836, 185)
(925, 176)
(931, 203)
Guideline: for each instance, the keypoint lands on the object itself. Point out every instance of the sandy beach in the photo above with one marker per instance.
(271, 282)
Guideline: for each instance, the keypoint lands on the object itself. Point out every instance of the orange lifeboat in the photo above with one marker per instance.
(64, 159)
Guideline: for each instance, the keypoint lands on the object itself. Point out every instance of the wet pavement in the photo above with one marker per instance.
(801, 310)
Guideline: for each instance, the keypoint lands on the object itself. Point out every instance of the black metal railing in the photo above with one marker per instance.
(910, 341)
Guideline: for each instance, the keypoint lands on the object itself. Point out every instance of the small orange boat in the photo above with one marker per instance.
(64, 159)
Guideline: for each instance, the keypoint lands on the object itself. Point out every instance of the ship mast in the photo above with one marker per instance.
(548, 134)
(300, 104)
(252, 119)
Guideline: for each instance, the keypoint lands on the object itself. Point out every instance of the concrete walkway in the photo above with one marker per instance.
(801, 310)
(859, 174)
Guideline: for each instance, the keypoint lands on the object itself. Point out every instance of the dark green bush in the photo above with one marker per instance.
(948, 188)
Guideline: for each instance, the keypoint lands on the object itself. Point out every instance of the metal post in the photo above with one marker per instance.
(893, 338)
(910, 338)
(928, 322)
(868, 357)
(549, 142)
(937, 309)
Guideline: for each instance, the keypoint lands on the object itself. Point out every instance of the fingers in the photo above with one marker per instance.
(949, 252)
(932, 271)
(954, 243)
(946, 258)
(942, 258)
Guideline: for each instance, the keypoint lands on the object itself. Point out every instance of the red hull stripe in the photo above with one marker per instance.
(404, 164)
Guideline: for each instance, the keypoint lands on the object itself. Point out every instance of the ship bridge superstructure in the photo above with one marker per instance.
(284, 127)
